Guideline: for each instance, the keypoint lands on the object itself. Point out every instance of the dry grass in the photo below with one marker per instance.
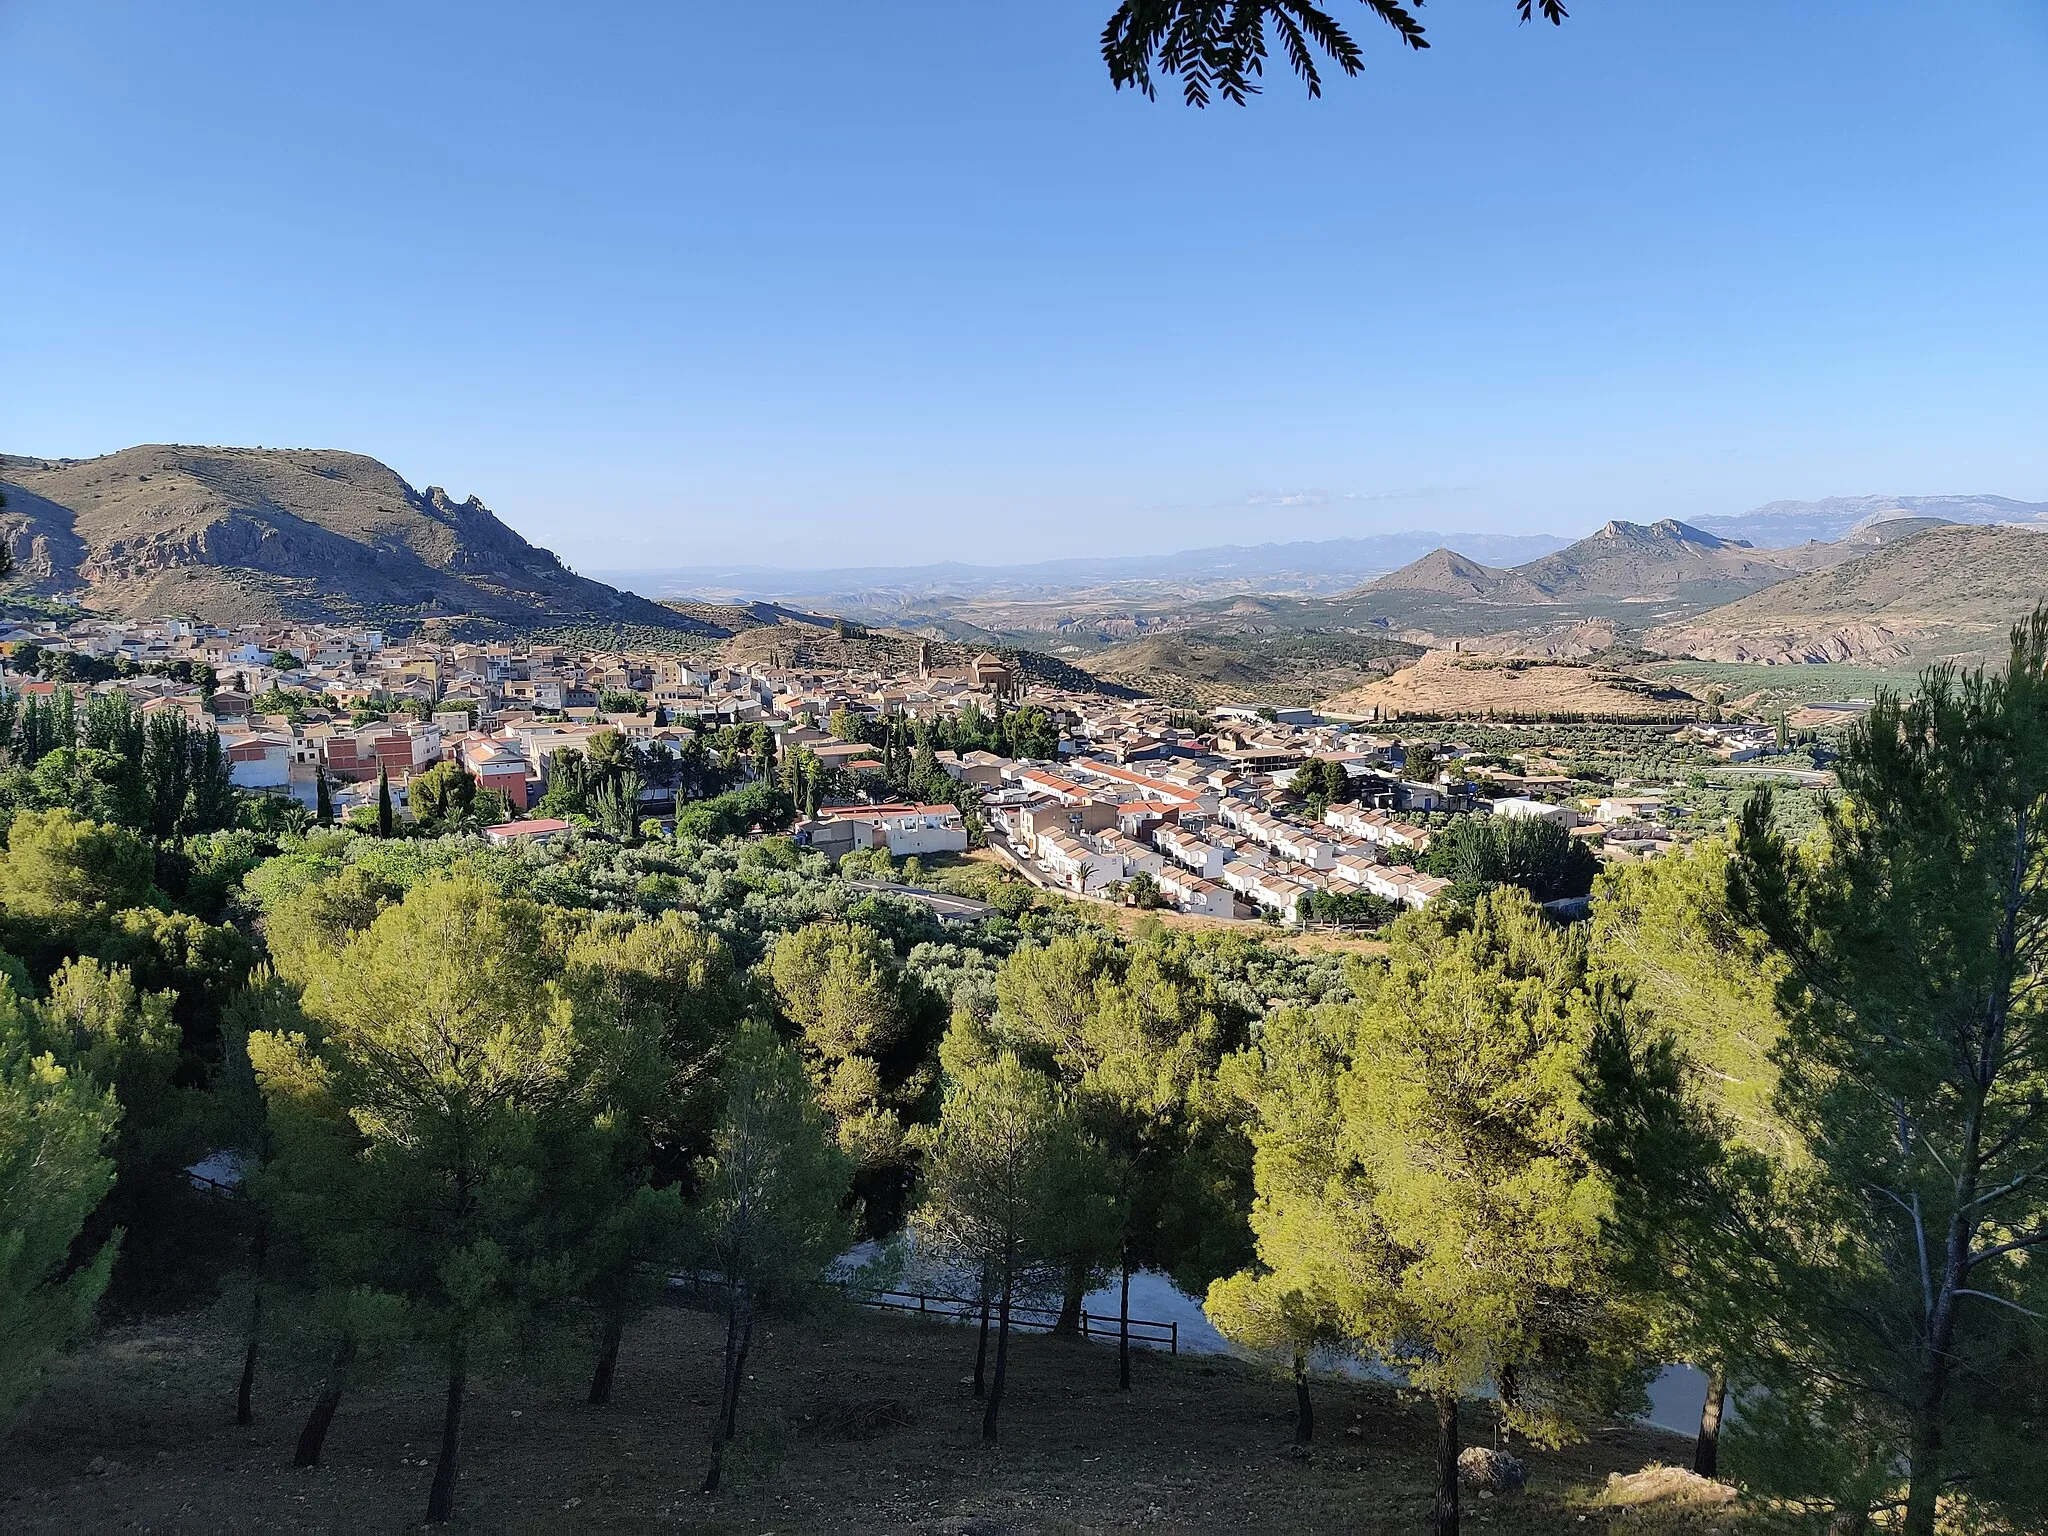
(853, 1422)
(1665, 1499)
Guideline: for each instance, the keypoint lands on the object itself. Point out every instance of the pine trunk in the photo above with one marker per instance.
(314, 1435)
(1123, 1330)
(981, 1353)
(607, 1364)
(739, 1374)
(995, 1391)
(1445, 1522)
(727, 1390)
(1072, 1294)
(1706, 1451)
(245, 1389)
(1925, 1486)
(441, 1497)
(1304, 1410)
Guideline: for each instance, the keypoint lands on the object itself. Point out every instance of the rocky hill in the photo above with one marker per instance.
(241, 534)
(1635, 562)
(1446, 573)
(1622, 562)
(1949, 590)
(799, 639)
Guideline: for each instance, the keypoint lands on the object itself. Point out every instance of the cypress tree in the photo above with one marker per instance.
(323, 802)
(383, 802)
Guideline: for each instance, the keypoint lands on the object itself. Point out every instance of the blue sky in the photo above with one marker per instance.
(820, 283)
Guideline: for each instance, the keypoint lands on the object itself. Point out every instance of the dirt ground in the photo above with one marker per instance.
(136, 1434)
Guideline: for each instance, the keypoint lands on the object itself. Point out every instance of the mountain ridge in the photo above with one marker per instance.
(241, 534)
(1620, 560)
(1952, 590)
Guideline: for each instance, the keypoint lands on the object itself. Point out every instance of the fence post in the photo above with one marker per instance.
(1084, 1322)
(920, 1303)
(1173, 1339)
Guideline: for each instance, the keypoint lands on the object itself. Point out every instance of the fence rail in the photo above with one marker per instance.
(1153, 1333)
(965, 1309)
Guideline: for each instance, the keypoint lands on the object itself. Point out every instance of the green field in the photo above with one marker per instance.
(1764, 690)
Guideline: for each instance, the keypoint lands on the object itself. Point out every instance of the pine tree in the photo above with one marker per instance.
(446, 1045)
(54, 1125)
(1663, 932)
(991, 1191)
(654, 1002)
(1442, 1209)
(1887, 1280)
(771, 1213)
(840, 984)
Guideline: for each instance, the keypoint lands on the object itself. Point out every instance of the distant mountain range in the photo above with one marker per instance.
(1328, 563)
(240, 534)
(1781, 524)
(232, 535)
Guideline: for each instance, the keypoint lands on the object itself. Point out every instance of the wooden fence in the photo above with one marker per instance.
(1150, 1332)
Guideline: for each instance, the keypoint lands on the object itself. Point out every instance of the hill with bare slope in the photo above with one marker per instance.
(1461, 685)
(1949, 591)
(241, 534)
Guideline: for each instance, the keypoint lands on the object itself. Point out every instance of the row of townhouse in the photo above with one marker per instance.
(1392, 882)
(1377, 827)
(1291, 840)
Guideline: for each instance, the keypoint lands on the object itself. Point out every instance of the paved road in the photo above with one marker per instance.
(1000, 846)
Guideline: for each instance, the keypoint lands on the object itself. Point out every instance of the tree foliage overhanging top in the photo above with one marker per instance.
(1221, 45)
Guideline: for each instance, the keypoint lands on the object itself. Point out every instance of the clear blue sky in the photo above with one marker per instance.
(875, 280)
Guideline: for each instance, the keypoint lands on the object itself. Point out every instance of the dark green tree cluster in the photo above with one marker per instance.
(1476, 853)
(33, 660)
(1320, 784)
(1345, 909)
(482, 1118)
(158, 774)
(1024, 731)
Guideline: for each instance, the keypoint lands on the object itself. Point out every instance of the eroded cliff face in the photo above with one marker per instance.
(1942, 591)
(1869, 644)
(306, 533)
